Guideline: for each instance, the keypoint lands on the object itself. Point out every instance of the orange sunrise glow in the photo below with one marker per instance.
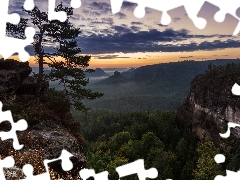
(142, 59)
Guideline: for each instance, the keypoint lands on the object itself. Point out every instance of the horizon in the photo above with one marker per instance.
(129, 67)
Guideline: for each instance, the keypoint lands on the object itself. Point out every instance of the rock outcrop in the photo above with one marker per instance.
(12, 74)
(51, 127)
(210, 104)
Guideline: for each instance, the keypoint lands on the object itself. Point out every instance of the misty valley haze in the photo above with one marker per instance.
(161, 86)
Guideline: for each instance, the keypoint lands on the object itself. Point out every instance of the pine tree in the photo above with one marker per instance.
(70, 70)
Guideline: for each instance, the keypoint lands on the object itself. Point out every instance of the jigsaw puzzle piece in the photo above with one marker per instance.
(12, 45)
(225, 7)
(13, 18)
(236, 89)
(76, 3)
(137, 167)
(6, 163)
(87, 173)
(230, 125)
(60, 15)
(192, 7)
(28, 5)
(28, 171)
(208, 11)
(230, 175)
(9, 45)
(159, 5)
(237, 30)
(21, 125)
(65, 163)
(53, 15)
(219, 158)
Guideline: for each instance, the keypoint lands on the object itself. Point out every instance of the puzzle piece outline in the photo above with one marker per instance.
(219, 158)
(12, 45)
(7, 162)
(192, 8)
(199, 22)
(137, 167)
(20, 125)
(66, 165)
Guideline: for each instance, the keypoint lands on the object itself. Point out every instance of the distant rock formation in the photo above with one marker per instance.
(97, 73)
(116, 77)
(116, 74)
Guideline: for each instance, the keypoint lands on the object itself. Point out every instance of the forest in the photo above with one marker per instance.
(116, 138)
(113, 139)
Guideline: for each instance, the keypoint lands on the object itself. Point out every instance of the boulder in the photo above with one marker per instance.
(12, 74)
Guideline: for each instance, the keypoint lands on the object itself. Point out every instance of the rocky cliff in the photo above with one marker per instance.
(51, 126)
(210, 104)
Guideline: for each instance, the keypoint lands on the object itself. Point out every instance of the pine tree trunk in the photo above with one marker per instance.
(40, 80)
(40, 60)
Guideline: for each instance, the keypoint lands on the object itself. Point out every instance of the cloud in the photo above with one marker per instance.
(121, 29)
(103, 7)
(161, 25)
(107, 57)
(122, 38)
(75, 17)
(186, 57)
(135, 28)
(126, 40)
(121, 15)
(136, 23)
(107, 31)
(128, 5)
(130, 37)
(47, 49)
(107, 21)
(96, 13)
(123, 57)
(148, 41)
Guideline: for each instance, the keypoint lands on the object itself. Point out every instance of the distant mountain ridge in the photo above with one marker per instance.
(160, 86)
(172, 71)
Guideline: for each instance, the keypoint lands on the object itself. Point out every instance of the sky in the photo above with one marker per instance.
(122, 40)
